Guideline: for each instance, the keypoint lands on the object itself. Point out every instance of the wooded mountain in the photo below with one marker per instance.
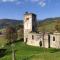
(48, 24)
(6, 22)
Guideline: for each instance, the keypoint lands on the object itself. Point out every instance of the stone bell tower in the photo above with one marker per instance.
(29, 24)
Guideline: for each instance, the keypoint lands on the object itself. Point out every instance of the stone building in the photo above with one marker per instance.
(55, 40)
(31, 37)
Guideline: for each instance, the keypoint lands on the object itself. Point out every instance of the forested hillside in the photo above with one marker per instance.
(46, 25)
(49, 25)
(6, 22)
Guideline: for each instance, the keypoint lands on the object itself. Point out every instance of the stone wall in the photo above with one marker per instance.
(38, 39)
(46, 40)
(55, 40)
(34, 39)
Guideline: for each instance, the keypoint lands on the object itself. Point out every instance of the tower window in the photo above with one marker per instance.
(53, 38)
(32, 37)
(27, 18)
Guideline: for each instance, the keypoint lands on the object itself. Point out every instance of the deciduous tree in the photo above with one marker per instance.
(11, 36)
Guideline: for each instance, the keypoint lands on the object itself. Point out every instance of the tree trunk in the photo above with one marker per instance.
(13, 52)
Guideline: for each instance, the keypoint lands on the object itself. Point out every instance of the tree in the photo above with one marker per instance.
(11, 36)
(57, 27)
(20, 33)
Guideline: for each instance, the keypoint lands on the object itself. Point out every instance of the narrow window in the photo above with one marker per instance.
(32, 37)
(26, 40)
(53, 38)
(49, 40)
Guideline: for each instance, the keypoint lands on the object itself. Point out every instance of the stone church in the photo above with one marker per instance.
(31, 37)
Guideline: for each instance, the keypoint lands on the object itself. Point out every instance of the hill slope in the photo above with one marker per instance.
(5, 22)
(49, 24)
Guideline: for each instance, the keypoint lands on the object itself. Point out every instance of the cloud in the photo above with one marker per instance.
(31, 0)
(42, 3)
(18, 2)
(9, 0)
(4, 0)
(34, 0)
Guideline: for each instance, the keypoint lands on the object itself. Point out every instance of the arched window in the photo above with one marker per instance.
(40, 43)
(27, 18)
(53, 38)
(32, 37)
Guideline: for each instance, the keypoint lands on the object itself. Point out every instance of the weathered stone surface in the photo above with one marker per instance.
(45, 40)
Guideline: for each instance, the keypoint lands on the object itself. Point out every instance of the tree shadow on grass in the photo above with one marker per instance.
(54, 50)
(21, 40)
(2, 52)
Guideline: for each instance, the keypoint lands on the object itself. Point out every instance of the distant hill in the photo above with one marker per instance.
(6, 22)
(49, 24)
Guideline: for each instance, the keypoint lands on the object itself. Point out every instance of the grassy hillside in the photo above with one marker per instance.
(24, 52)
(49, 24)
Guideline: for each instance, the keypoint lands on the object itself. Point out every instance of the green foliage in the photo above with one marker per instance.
(11, 34)
(3, 41)
(25, 52)
(20, 34)
(49, 26)
(5, 22)
(57, 27)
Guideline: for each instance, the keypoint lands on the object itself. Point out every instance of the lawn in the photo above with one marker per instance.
(25, 52)
(2, 41)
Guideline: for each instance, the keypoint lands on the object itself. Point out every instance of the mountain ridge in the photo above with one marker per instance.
(5, 22)
(47, 24)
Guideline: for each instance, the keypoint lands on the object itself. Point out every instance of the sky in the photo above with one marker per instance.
(15, 9)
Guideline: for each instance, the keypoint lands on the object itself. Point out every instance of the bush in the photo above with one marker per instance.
(2, 52)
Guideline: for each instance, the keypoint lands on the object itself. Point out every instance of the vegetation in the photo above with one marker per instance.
(20, 33)
(24, 52)
(11, 36)
(49, 25)
(6, 22)
(2, 41)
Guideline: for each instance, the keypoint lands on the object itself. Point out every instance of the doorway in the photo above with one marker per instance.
(26, 40)
(40, 43)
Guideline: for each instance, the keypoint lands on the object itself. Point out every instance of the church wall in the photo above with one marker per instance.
(55, 40)
(52, 42)
(46, 42)
(35, 40)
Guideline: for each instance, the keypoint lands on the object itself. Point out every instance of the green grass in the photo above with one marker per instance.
(2, 30)
(2, 41)
(24, 52)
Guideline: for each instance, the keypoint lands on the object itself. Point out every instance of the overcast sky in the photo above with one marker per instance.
(15, 9)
